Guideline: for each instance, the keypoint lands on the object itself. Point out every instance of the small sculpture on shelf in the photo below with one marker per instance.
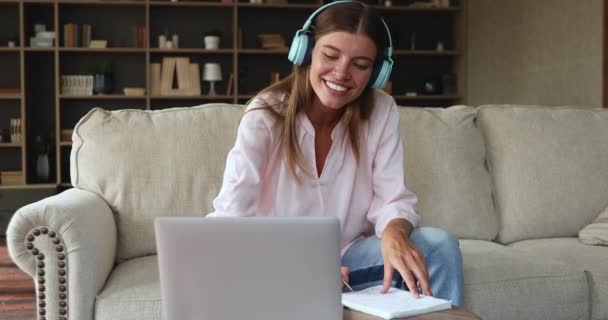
(186, 72)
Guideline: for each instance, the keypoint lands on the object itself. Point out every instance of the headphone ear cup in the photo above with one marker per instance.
(382, 73)
(299, 48)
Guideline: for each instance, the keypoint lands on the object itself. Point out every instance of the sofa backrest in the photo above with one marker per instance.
(147, 164)
(549, 168)
(445, 166)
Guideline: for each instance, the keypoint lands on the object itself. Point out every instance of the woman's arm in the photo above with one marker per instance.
(393, 209)
(391, 199)
(245, 165)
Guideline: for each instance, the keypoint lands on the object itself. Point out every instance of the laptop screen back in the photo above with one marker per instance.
(271, 268)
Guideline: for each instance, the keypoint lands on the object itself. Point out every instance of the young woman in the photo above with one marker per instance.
(323, 141)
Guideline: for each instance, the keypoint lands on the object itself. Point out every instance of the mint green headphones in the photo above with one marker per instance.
(303, 42)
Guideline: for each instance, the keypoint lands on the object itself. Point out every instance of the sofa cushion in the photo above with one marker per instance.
(147, 164)
(593, 259)
(596, 233)
(549, 168)
(525, 286)
(131, 292)
(445, 167)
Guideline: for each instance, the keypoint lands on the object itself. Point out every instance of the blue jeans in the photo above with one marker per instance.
(441, 253)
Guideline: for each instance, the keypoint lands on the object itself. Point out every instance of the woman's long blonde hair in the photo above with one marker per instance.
(352, 17)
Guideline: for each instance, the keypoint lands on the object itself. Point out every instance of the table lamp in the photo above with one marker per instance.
(212, 73)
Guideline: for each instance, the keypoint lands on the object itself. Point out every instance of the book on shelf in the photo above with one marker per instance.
(16, 128)
(140, 36)
(11, 177)
(230, 84)
(10, 91)
(155, 78)
(76, 85)
(76, 35)
(195, 76)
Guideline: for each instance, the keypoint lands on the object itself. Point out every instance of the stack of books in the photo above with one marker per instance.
(76, 35)
(15, 130)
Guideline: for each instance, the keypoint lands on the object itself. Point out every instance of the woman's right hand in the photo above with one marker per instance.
(344, 271)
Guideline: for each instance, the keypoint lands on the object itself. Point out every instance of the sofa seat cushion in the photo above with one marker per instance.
(525, 286)
(444, 161)
(593, 259)
(131, 292)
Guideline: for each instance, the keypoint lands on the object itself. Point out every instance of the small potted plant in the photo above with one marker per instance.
(212, 39)
(103, 78)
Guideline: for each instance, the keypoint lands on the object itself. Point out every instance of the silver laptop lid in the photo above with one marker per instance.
(271, 268)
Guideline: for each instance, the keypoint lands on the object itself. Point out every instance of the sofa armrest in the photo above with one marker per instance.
(67, 243)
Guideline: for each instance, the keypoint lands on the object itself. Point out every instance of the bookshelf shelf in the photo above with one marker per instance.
(192, 50)
(10, 145)
(414, 9)
(277, 6)
(10, 97)
(9, 49)
(201, 97)
(103, 50)
(109, 3)
(65, 144)
(191, 4)
(103, 97)
(30, 49)
(264, 51)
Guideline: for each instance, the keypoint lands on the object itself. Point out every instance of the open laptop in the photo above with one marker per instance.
(271, 268)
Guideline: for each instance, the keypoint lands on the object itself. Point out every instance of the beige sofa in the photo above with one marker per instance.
(515, 183)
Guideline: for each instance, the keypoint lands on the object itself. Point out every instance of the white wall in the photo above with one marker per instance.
(540, 52)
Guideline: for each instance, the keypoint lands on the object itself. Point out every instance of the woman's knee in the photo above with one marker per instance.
(436, 241)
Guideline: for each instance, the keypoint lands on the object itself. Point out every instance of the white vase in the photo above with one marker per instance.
(162, 41)
(42, 167)
(212, 42)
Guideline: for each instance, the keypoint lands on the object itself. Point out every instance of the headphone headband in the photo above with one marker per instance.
(309, 21)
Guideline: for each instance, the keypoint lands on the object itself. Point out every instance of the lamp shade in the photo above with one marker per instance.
(212, 72)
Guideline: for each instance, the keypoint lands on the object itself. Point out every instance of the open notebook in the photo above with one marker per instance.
(396, 303)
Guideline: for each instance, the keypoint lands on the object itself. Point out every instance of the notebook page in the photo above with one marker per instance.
(394, 304)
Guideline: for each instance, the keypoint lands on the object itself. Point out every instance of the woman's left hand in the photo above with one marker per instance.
(400, 254)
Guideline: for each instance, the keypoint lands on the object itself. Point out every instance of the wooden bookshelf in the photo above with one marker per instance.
(45, 110)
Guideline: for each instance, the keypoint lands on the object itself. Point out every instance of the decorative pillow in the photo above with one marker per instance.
(597, 232)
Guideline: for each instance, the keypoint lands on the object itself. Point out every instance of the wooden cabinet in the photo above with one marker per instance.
(31, 79)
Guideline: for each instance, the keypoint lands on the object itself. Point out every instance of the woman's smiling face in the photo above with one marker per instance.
(342, 64)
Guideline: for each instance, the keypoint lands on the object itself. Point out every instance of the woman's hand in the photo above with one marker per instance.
(344, 271)
(400, 254)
